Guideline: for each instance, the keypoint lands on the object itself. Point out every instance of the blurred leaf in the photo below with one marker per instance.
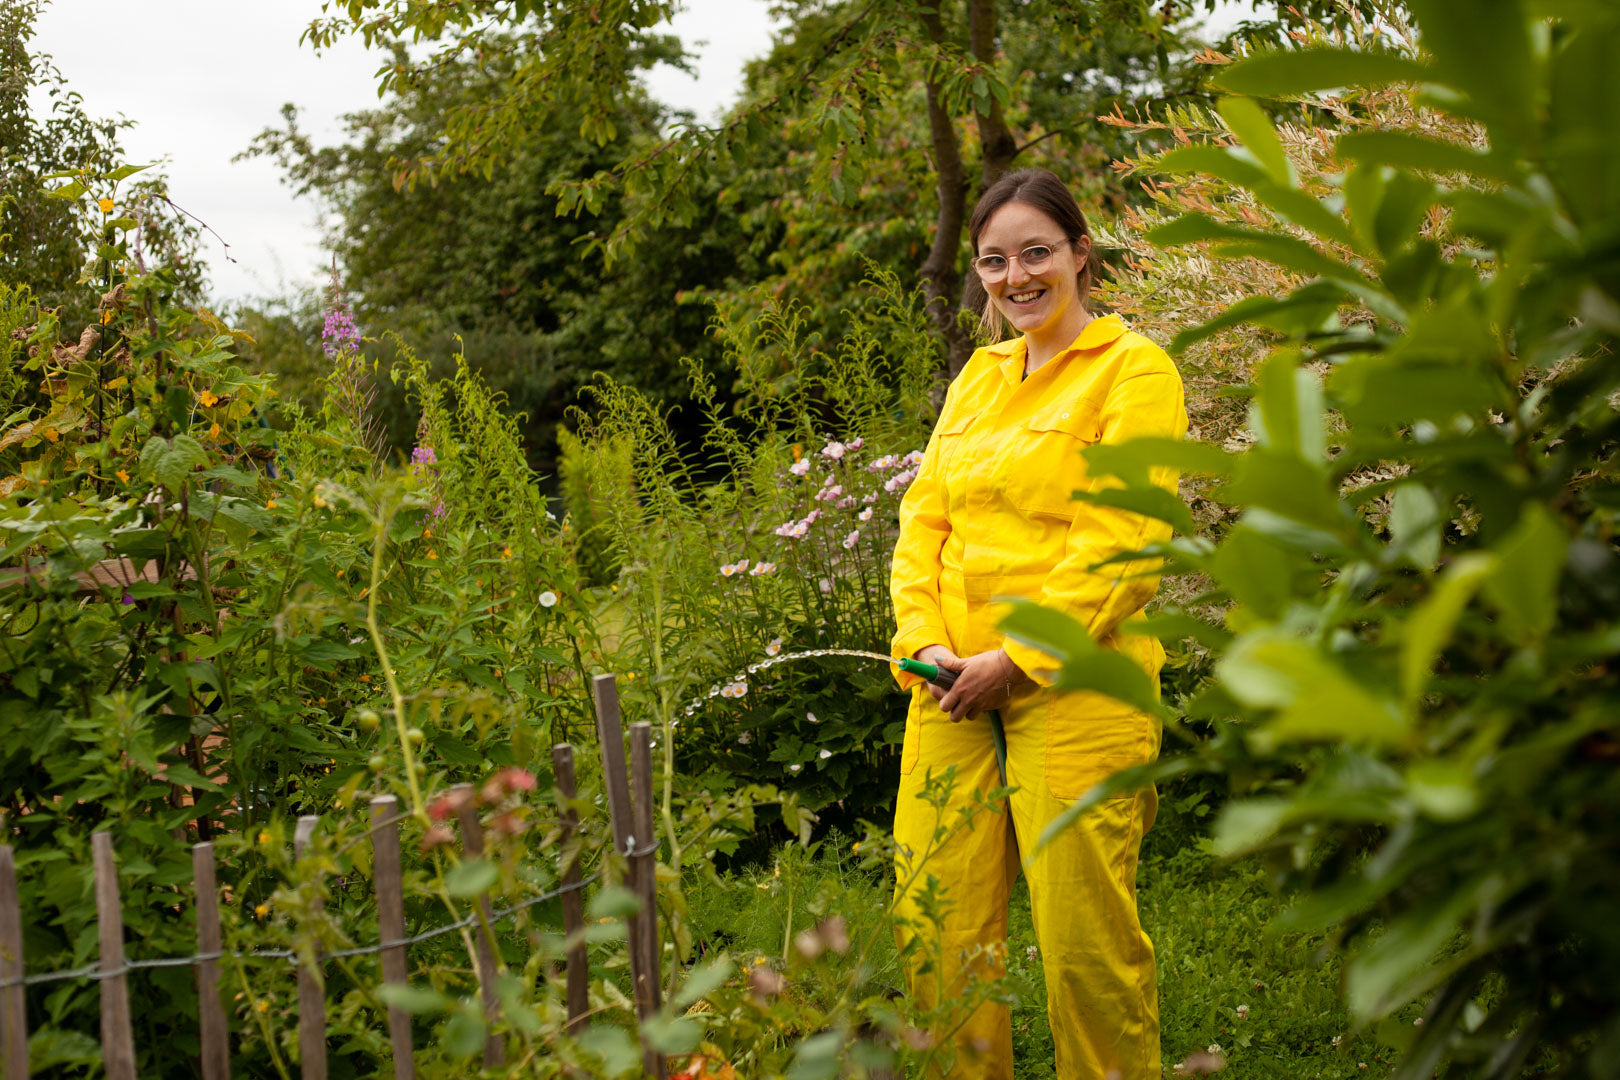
(1315, 698)
(613, 902)
(413, 999)
(1304, 311)
(671, 1034)
(612, 1046)
(1415, 522)
(1444, 790)
(1247, 824)
(1303, 71)
(470, 879)
(1524, 588)
(464, 1031)
(1154, 502)
(1253, 128)
(1410, 150)
(1429, 626)
(702, 981)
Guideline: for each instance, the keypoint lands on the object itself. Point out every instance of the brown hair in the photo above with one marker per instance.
(1046, 193)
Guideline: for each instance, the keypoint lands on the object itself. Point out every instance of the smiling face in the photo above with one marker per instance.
(1039, 304)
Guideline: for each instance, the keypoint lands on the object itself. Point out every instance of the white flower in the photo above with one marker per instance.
(762, 568)
(774, 647)
(1214, 1048)
(852, 539)
(729, 569)
(735, 690)
(795, 767)
(800, 467)
(548, 599)
(1242, 1012)
(825, 584)
(824, 755)
(913, 458)
(884, 462)
(1336, 1039)
(865, 515)
(1032, 952)
(834, 450)
(796, 529)
(745, 738)
(810, 716)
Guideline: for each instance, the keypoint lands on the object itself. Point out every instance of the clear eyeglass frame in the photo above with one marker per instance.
(1033, 259)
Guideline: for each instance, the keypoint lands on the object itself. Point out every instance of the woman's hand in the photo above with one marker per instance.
(984, 681)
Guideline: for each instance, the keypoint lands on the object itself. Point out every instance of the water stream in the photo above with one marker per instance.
(771, 661)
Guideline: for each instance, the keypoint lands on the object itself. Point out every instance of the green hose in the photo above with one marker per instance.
(944, 677)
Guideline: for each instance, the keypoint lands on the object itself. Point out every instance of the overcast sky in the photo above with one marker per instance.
(203, 77)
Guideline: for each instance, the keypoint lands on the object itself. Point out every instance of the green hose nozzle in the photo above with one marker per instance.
(942, 677)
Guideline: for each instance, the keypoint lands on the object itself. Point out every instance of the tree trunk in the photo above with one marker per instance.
(942, 282)
(998, 145)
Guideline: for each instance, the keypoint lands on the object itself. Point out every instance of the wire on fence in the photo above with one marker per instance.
(95, 972)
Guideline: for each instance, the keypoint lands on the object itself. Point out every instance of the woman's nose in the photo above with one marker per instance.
(1016, 274)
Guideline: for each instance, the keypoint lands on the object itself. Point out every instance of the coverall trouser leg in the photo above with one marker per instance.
(955, 881)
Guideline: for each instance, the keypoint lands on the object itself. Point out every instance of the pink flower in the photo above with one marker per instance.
(762, 568)
(833, 450)
(855, 444)
(810, 518)
(884, 462)
(827, 481)
(869, 498)
(825, 584)
(846, 502)
(829, 494)
(913, 458)
(852, 539)
(800, 467)
(865, 515)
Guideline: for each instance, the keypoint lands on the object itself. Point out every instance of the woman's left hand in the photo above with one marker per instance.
(986, 681)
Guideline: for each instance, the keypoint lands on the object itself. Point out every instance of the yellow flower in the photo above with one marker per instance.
(433, 554)
(262, 1005)
(213, 432)
(51, 434)
(123, 476)
(506, 552)
(262, 910)
(798, 451)
(365, 678)
(207, 399)
(106, 206)
(270, 504)
(264, 836)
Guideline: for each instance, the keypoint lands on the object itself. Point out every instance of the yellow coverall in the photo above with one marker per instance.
(990, 513)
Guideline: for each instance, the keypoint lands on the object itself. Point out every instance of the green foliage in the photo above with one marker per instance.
(1409, 692)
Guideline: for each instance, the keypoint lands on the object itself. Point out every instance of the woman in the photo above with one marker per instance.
(991, 514)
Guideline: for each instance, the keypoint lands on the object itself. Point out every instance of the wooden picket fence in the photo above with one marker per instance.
(630, 811)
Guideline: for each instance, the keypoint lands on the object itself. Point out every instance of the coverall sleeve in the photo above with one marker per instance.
(914, 578)
(1143, 405)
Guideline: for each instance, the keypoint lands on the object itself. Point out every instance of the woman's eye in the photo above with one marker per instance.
(993, 262)
(1037, 254)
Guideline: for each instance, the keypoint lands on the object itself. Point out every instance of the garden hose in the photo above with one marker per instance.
(945, 678)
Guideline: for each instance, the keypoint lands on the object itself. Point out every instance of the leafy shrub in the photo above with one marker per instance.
(1410, 690)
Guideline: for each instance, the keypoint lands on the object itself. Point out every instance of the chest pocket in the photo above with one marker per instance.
(949, 434)
(1045, 470)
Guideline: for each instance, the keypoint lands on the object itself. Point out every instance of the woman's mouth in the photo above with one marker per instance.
(1026, 298)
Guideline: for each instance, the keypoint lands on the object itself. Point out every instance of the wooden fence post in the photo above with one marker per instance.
(472, 841)
(13, 1015)
(573, 904)
(311, 991)
(117, 1038)
(391, 924)
(610, 734)
(216, 1047)
(644, 868)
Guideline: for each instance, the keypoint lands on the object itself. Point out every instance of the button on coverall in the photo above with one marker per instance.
(990, 514)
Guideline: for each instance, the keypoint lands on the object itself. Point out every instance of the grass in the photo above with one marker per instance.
(1208, 921)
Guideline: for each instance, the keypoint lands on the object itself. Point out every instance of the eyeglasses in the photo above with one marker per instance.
(1033, 259)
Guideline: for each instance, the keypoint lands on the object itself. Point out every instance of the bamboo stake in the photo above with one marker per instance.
(311, 991)
(216, 1047)
(13, 1014)
(391, 924)
(645, 867)
(472, 841)
(117, 1038)
(573, 904)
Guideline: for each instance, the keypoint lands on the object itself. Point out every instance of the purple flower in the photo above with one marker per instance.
(425, 467)
(127, 599)
(339, 333)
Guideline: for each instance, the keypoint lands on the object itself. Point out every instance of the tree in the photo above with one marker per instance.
(856, 62)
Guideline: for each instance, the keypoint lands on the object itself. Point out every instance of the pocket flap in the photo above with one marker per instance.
(1079, 418)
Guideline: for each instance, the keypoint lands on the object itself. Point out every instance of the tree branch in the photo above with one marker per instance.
(999, 146)
(941, 282)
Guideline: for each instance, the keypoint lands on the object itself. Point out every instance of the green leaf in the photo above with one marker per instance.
(1151, 501)
(1083, 664)
(1133, 459)
(1444, 790)
(470, 879)
(67, 191)
(1415, 521)
(1305, 311)
(175, 464)
(1256, 571)
(612, 1046)
(1287, 73)
(413, 999)
(613, 902)
(124, 172)
(1524, 588)
(671, 1034)
(817, 1057)
(1381, 978)
(1252, 126)
(700, 982)
(1409, 150)
(1316, 698)
(1245, 825)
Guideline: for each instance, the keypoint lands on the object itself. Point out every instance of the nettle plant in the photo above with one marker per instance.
(1412, 694)
(775, 538)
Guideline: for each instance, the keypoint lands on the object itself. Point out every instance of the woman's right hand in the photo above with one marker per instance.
(940, 656)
